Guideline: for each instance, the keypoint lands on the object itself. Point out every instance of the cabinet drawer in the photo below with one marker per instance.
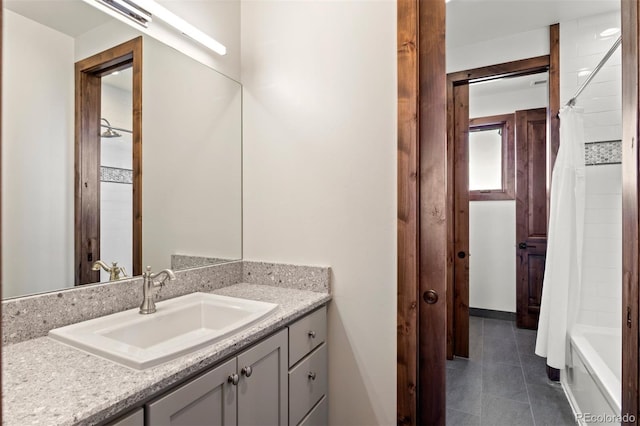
(319, 416)
(306, 334)
(307, 384)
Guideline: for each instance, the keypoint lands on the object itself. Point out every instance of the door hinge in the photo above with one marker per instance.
(628, 316)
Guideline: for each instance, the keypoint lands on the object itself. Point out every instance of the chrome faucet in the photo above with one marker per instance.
(149, 282)
(115, 272)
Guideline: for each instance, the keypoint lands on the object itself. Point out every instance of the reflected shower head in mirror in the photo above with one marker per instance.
(109, 133)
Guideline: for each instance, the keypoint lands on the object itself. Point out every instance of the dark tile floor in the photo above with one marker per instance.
(503, 382)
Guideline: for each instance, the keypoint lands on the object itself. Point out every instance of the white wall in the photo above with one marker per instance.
(492, 262)
(37, 160)
(581, 49)
(192, 159)
(505, 49)
(320, 176)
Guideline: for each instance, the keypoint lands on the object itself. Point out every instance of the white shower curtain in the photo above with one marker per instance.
(563, 268)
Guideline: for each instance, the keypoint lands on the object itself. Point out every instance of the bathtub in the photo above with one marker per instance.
(591, 379)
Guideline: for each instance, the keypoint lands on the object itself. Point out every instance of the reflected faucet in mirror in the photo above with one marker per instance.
(115, 272)
(149, 282)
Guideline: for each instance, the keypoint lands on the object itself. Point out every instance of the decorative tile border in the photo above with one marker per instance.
(606, 152)
(116, 175)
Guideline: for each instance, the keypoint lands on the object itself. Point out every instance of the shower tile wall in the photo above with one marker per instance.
(581, 48)
(116, 191)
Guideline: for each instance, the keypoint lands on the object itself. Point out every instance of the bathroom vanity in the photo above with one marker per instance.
(273, 372)
(280, 380)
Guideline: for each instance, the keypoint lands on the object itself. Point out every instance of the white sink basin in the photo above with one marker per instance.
(179, 326)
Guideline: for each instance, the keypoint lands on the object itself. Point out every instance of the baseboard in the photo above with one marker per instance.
(490, 313)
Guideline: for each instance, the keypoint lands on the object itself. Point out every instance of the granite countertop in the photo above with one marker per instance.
(48, 383)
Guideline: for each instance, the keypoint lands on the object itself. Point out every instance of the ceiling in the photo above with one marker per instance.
(473, 21)
(71, 17)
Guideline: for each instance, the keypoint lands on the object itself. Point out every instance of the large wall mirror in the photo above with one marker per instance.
(191, 154)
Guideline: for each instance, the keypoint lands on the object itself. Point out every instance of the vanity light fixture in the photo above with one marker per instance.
(142, 11)
(130, 10)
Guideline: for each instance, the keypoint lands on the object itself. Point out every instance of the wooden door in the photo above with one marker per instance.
(263, 389)
(531, 213)
(208, 400)
(422, 213)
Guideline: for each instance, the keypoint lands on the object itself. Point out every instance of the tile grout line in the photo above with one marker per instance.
(524, 378)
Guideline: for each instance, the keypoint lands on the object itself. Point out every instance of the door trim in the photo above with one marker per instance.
(88, 74)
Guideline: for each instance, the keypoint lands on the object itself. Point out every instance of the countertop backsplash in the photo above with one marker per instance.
(29, 317)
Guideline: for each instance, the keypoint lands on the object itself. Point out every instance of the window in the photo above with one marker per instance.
(491, 158)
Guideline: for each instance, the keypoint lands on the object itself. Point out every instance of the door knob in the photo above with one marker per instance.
(247, 371)
(462, 254)
(524, 246)
(430, 296)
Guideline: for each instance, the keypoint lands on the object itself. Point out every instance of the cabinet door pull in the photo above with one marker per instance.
(233, 379)
(247, 371)
(312, 334)
(312, 375)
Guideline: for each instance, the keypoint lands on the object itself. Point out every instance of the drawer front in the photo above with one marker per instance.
(319, 416)
(307, 384)
(307, 334)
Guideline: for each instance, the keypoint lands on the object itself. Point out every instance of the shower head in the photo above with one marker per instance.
(109, 133)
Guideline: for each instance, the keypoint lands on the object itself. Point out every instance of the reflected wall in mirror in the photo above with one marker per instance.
(191, 132)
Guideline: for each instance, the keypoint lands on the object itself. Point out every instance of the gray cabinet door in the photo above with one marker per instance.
(263, 390)
(208, 400)
(132, 419)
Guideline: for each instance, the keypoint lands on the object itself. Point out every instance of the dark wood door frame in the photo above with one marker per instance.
(458, 199)
(89, 73)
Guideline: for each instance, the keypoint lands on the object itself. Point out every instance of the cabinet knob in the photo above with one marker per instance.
(247, 371)
(312, 334)
(233, 379)
(312, 375)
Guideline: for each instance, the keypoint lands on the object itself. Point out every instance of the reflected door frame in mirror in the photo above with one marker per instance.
(88, 78)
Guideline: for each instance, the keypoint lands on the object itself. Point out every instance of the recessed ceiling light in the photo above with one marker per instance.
(609, 32)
